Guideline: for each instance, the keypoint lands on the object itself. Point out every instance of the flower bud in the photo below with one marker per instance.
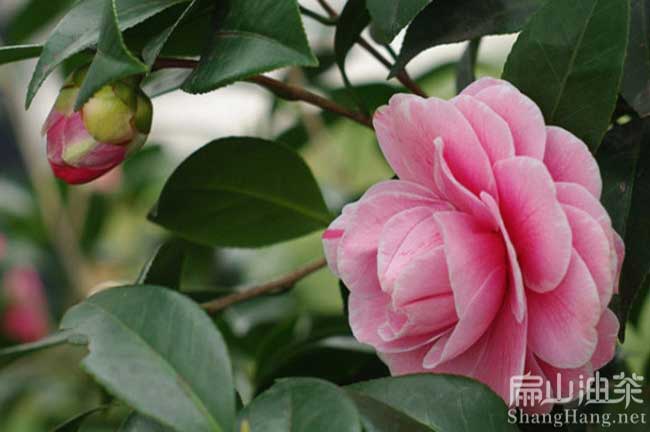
(114, 123)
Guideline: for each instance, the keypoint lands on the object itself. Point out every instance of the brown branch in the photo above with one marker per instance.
(280, 89)
(295, 93)
(402, 76)
(273, 286)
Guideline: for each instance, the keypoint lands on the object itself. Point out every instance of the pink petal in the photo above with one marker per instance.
(522, 115)
(406, 129)
(429, 315)
(565, 383)
(101, 156)
(515, 278)
(425, 276)
(569, 160)
(619, 248)
(563, 321)
(368, 314)
(535, 220)
(497, 356)
(607, 328)
(404, 236)
(450, 188)
(482, 83)
(357, 251)
(472, 252)
(492, 131)
(478, 317)
(592, 244)
(534, 369)
(405, 362)
(332, 237)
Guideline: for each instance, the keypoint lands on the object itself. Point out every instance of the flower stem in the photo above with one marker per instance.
(276, 285)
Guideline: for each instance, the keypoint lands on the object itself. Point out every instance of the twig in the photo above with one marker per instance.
(318, 17)
(402, 76)
(295, 93)
(276, 285)
(280, 89)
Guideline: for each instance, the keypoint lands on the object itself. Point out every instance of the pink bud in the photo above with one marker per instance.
(84, 145)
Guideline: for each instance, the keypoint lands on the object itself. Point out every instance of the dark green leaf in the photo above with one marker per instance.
(9, 54)
(80, 29)
(33, 16)
(136, 422)
(624, 160)
(392, 16)
(301, 405)
(172, 261)
(253, 36)
(160, 353)
(243, 192)
(446, 403)
(296, 137)
(164, 81)
(113, 60)
(635, 86)
(378, 417)
(54, 339)
(74, 424)
(569, 60)
(465, 69)
(353, 19)
(155, 45)
(447, 21)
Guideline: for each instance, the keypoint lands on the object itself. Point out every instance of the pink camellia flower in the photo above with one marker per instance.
(25, 318)
(113, 124)
(491, 256)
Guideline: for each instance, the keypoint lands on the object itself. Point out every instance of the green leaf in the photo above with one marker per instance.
(153, 48)
(465, 74)
(80, 29)
(32, 17)
(446, 403)
(164, 81)
(54, 339)
(137, 422)
(74, 424)
(253, 36)
(14, 53)
(353, 20)
(170, 263)
(447, 21)
(392, 16)
(624, 160)
(242, 192)
(160, 353)
(569, 60)
(113, 60)
(635, 86)
(376, 416)
(301, 405)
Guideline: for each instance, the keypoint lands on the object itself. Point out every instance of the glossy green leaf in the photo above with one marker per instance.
(80, 29)
(74, 424)
(32, 16)
(164, 81)
(446, 403)
(244, 192)
(14, 53)
(160, 353)
(155, 45)
(353, 20)
(390, 17)
(465, 74)
(447, 21)
(253, 36)
(624, 160)
(569, 60)
(301, 405)
(171, 263)
(635, 86)
(376, 416)
(52, 340)
(113, 60)
(136, 422)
